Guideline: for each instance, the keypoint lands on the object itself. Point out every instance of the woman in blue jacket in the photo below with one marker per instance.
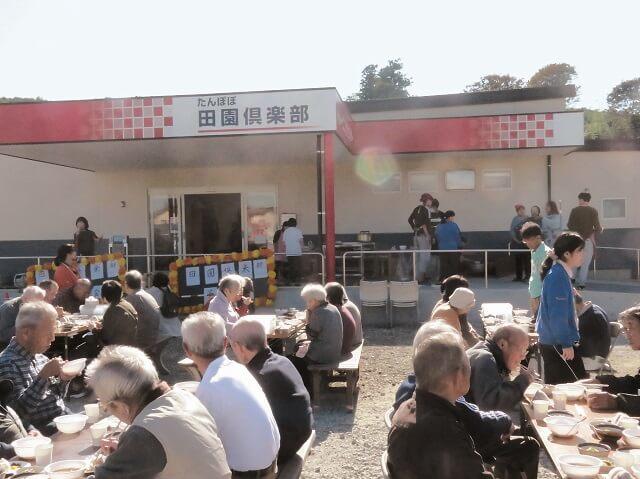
(557, 321)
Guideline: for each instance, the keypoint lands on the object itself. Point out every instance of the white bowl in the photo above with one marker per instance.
(26, 447)
(573, 391)
(562, 426)
(66, 469)
(578, 466)
(632, 436)
(532, 390)
(75, 367)
(189, 386)
(70, 424)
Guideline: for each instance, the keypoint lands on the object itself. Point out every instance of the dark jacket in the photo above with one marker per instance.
(437, 446)
(484, 427)
(68, 301)
(626, 389)
(288, 398)
(120, 324)
(595, 338)
(491, 388)
(348, 330)
(420, 216)
(149, 317)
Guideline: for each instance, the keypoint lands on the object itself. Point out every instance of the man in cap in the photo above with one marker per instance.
(420, 222)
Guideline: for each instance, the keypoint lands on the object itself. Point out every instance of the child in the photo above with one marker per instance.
(557, 323)
(532, 237)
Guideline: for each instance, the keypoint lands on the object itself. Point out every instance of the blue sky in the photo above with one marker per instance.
(88, 49)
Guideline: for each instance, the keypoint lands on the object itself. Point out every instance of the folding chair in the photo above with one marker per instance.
(385, 467)
(403, 295)
(374, 294)
(388, 416)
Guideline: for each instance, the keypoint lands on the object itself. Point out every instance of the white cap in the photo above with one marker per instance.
(462, 298)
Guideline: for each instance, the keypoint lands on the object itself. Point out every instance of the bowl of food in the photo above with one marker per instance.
(606, 429)
(74, 368)
(579, 466)
(573, 391)
(66, 469)
(71, 423)
(594, 449)
(26, 447)
(632, 436)
(560, 412)
(562, 426)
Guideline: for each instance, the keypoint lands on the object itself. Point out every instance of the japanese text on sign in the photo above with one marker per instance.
(222, 111)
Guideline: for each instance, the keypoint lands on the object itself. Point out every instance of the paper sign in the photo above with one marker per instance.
(97, 271)
(82, 271)
(41, 276)
(227, 269)
(211, 274)
(245, 268)
(209, 293)
(112, 269)
(96, 291)
(260, 268)
(193, 276)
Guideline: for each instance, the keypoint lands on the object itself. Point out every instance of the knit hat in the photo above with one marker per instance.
(425, 197)
(462, 298)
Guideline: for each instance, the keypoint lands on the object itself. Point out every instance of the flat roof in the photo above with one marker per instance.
(462, 99)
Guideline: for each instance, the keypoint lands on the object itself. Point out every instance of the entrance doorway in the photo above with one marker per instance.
(212, 223)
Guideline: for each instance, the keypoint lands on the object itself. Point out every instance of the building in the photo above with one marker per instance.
(218, 172)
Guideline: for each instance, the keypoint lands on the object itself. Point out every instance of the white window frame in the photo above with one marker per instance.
(497, 170)
(434, 173)
(475, 180)
(615, 217)
(375, 189)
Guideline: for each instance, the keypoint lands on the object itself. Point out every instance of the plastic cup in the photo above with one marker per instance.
(97, 432)
(44, 454)
(92, 411)
(540, 409)
(559, 400)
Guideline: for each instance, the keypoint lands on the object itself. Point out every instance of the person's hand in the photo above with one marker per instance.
(108, 445)
(303, 349)
(247, 300)
(67, 377)
(406, 413)
(52, 368)
(527, 373)
(567, 353)
(507, 435)
(34, 433)
(60, 311)
(602, 400)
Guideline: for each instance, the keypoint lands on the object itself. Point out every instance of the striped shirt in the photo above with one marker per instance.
(36, 400)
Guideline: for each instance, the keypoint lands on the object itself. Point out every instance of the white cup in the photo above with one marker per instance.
(559, 400)
(44, 454)
(628, 422)
(540, 408)
(97, 432)
(92, 411)
(623, 459)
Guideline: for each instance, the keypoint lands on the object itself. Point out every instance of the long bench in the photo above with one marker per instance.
(347, 370)
(292, 469)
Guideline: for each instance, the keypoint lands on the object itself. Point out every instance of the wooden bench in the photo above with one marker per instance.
(348, 370)
(292, 469)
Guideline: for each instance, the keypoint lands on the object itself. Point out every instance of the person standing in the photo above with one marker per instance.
(85, 239)
(536, 217)
(449, 238)
(520, 258)
(66, 262)
(532, 237)
(420, 222)
(551, 223)
(557, 320)
(293, 243)
(584, 220)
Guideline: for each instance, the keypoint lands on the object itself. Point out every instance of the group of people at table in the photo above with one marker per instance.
(452, 414)
(250, 412)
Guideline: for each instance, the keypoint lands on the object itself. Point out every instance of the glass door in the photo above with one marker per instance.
(165, 213)
(212, 223)
(261, 218)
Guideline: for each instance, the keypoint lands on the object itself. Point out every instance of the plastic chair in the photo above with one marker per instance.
(385, 467)
(388, 417)
(403, 295)
(374, 294)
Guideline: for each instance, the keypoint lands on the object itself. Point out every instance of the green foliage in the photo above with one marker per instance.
(625, 97)
(554, 74)
(611, 125)
(381, 83)
(495, 82)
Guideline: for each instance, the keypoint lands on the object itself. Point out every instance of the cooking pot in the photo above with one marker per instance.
(364, 236)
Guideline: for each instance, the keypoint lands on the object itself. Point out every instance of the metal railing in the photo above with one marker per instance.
(616, 248)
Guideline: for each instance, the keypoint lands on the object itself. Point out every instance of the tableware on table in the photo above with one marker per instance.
(44, 454)
(578, 467)
(623, 458)
(532, 390)
(563, 413)
(71, 423)
(628, 422)
(562, 426)
(98, 431)
(189, 386)
(66, 469)
(632, 436)
(540, 409)
(26, 447)
(92, 411)
(635, 470)
(540, 395)
(606, 429)
(594, 449)
(559, 400)
(75, 367)
(573, 391)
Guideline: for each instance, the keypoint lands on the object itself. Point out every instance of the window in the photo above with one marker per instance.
(460, 180)
(423, 181)
(496, 179)
(614, 208)
(391, 185)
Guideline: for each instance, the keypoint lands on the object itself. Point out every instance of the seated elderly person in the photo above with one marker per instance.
(622, 392)
(247, 428)
(9, 311)
(280, 381)
(120, 320)
(164, 423)
(51, 290)
(492, 362)
(71, 299)
(324, 333)
(437, 444)
(593, 325)
(11, 426)
(357, 317)
(456, 303)
(492, 431)
(336, 297)
(223, 303)
(39, 383)
(149, 315)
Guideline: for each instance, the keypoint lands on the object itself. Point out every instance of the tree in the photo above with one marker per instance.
(495, 82)
(554, 74)
(625, 97)
(380, 83)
